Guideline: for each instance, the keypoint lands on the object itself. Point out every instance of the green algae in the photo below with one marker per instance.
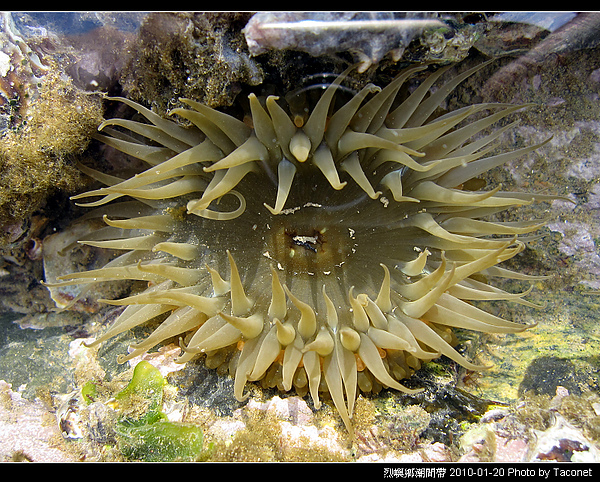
(144, 432)
(567, 330)
(89, 392)
(162, 441)
(147, 382)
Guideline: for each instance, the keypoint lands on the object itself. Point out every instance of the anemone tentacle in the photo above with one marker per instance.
(332, 255)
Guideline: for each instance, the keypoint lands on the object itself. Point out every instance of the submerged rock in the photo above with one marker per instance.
(201, 56)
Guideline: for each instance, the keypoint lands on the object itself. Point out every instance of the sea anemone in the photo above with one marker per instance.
(330, 249)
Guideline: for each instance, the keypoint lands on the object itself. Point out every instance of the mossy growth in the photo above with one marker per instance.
(143, 432)
(263, 440)
(37, 159)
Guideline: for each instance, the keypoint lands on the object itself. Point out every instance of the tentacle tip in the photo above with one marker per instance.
(181, 344)
(273, 211)
(339, 186)
(121, 359)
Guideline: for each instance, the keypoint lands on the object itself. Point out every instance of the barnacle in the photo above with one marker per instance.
(332, 252)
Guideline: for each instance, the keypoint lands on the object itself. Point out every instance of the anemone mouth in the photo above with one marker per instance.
(328, 254)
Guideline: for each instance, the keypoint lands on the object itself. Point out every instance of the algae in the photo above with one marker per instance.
(146, 384)
(89, 392)
(131, 424)
(162, 441)
(37, 160)
(266, 439)
(143, 432)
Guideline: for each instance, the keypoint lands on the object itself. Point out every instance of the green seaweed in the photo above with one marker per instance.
(162, 441)
(89, 392)
(148, 435)
(147, 383)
